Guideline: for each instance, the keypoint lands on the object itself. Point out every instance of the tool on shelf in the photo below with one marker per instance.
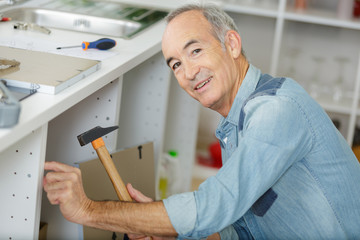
(31, 26)
(9, 104)
(101, 44)
(95, 137)
(9, 108)
(4, 19)
(8, 66)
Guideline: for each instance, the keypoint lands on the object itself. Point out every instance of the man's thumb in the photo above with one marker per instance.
(137, 195)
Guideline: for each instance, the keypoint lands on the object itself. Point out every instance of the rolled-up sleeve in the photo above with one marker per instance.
(181, 209)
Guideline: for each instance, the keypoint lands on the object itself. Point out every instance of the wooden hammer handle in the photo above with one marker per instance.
(111, 170)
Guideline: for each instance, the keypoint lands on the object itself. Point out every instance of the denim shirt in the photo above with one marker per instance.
(287, 172)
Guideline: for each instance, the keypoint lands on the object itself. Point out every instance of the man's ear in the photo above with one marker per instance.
(233, 42)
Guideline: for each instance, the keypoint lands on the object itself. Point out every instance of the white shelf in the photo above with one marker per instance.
(322, 17)
(265, 9)
(310, 15)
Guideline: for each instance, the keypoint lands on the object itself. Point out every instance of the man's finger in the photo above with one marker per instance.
(137, 195)
(53, 199)
(57, 185)
(59, 167)
(52, 177)
(56, 192)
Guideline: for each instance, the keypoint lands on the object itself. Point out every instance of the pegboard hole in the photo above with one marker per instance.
(29, 175)
(30, 153)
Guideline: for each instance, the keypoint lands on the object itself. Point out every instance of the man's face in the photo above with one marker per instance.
(203, 68)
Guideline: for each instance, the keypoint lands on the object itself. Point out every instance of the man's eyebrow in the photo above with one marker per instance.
(185, 46)
(169, 60)
(192, 41)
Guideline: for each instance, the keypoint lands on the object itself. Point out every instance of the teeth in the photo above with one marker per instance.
(202, 84)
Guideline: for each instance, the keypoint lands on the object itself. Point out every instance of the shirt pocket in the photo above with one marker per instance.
(264, 203)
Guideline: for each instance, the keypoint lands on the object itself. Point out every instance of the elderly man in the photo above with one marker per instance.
(287, 172)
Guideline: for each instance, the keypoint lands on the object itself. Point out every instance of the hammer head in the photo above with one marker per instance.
(93, 134)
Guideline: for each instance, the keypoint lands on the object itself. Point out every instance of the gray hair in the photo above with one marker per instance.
(220, 21)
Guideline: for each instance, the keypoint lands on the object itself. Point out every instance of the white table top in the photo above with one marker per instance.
(40, 108)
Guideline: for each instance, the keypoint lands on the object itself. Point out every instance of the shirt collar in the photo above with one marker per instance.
(247, 87)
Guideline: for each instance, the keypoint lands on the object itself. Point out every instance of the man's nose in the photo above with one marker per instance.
(191, 70)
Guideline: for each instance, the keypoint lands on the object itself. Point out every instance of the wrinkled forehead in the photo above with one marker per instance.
(188, 25)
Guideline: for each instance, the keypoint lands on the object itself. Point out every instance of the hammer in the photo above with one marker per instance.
(95, 137)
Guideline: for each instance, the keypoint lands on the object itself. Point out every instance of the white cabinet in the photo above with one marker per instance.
(147, 104)
(314, 46)
(133, 89)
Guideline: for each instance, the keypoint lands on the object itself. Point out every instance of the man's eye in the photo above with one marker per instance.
(196, 51)
(176, 65)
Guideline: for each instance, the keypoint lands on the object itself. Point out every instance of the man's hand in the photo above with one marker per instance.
(139, 197)
(63, 185)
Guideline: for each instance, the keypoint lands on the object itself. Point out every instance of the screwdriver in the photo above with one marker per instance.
(101, 44)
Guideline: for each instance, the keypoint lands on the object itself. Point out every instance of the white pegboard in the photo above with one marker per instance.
(99, 109)
(144, 105)
(21, 167)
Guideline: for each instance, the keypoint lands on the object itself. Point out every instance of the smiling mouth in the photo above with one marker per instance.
(202, 84)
